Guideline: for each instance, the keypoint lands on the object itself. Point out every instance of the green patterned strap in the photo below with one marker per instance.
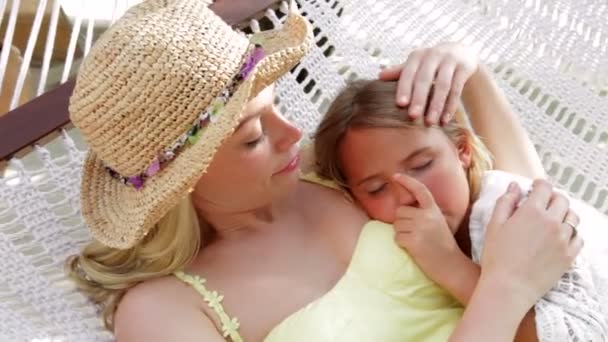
(230, 326)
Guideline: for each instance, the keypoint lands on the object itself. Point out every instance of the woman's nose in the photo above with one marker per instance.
(287, 133)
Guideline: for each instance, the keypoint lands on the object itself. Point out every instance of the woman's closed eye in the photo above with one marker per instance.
(253, 143)
(257, 134)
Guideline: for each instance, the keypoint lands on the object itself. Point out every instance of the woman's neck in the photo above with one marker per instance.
(234, 224)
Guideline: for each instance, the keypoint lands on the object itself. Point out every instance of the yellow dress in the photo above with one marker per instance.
(383, 296)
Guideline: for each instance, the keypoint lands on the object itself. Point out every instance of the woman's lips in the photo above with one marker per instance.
(292, 165)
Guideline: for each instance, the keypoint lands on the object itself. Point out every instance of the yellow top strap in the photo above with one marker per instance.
(230, 326)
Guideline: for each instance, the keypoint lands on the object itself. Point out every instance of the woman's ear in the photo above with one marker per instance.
(465, 151)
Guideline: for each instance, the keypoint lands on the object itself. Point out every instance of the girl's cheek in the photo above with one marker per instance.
(381, 209)
(432, 184)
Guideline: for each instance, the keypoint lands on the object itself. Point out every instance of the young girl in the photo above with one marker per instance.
(433, 183)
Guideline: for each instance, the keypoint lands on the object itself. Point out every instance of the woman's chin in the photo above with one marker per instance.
(286, 184)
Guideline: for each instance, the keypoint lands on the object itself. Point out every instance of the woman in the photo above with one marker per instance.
(173, 102)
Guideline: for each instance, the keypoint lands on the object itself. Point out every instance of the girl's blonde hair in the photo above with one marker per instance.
(105, 274)
(371, 104)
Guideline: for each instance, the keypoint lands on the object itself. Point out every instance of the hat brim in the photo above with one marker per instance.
(119, 215)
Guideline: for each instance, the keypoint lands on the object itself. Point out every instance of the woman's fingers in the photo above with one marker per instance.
(570, 224)
(441, 91)
(425, 76)
(541, 193)
(506, 204)
(391, 73)
(558, 206)
(453, 99)
(431, 81)
(575, 247)
(407, 78)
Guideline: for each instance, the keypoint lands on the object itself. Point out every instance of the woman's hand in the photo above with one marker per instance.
(526, 251)
(529, 248)
(433, 77)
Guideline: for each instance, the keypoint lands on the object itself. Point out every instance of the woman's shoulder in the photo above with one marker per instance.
(323, 198)
(161, 309)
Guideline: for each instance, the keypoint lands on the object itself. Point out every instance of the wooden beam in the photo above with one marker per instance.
(29, 123)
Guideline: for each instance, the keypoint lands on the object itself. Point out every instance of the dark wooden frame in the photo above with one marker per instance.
(48, 113)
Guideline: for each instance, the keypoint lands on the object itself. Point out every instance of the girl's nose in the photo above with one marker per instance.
(402, 195)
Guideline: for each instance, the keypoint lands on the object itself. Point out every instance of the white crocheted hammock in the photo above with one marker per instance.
(550, 57)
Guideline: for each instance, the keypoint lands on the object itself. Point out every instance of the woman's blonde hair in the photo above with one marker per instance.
(105, 274)
(371, 104)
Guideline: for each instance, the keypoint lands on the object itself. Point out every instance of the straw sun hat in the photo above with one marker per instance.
(155, 98)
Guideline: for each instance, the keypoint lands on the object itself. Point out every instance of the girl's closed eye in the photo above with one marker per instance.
(423, 166)
(377, 190)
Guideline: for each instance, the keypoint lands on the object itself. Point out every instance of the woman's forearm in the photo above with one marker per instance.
(462, 285)
(491, 315)
(499, 127)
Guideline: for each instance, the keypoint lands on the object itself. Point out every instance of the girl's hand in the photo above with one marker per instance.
(433, 77)
(423, 231)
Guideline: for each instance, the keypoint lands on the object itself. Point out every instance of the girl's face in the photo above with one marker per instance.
(371, 156)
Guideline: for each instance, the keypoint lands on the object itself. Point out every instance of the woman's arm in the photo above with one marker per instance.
(499, 127)
(526, 250)
(153, 312)
(482, 321)
(492, 315)
(463, 287)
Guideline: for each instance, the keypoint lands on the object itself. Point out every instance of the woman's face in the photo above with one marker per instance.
(371, 156)
(257, 164)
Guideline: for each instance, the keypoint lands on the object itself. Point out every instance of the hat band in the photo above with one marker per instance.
(190, 137)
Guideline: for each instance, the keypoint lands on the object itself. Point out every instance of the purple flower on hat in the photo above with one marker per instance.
(153, 168)
(193, 135)
(137, 181)
(252, 60)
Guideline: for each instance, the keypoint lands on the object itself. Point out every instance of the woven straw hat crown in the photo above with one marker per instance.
(149, 77)
(156, 97)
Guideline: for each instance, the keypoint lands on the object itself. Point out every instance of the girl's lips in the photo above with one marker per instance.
(292, 165)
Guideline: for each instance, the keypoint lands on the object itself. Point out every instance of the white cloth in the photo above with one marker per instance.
(575, 308)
